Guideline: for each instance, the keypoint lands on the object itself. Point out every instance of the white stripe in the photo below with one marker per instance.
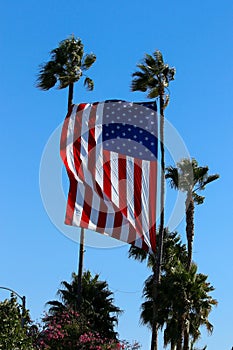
(99, 145)
(79, 203)
(124, 230)
(145, 197)
(114, 178)
(130, 189)
(85, 134)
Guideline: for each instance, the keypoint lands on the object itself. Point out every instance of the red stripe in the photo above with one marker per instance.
(77, 139)
(71, 200)
(87, 205)
(102, 218)
(107, 174)
(152, 203)
(132, 235)
(122, 184)
(118, 219)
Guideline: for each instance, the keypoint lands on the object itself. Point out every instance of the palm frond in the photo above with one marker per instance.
(88, 61)
(89, 83)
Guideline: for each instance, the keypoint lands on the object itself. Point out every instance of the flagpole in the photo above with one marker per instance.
(82, 233)
(80, 267)
(159, 254)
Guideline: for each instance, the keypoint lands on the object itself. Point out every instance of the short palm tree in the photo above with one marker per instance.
(191, 178)
(184, 297)
(67, 65)
(97, 303)
(154, 77)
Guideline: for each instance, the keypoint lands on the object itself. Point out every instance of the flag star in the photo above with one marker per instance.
(146, 138)
(135, 147)
(113, 131)
(152, 122)
(135, 136)
(123, 134)
(140, 131)
(141, 121)
(118, 117)
(113, 141)
(135, 116)
(118, 127)
(118, 147)
(129, 150)
(113, 112)
(107, 115)
(152, 143)
(140, 153)
(129, 129)
(129, 119)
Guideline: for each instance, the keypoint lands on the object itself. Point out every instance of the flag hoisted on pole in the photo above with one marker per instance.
(110, 153)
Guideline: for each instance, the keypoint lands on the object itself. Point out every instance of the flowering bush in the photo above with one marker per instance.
(69, 331)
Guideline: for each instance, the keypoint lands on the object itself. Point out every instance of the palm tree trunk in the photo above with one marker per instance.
(190, 234)
(189, 227)
(70, 95)
(186, 337)
(81, 246)
(157, 272)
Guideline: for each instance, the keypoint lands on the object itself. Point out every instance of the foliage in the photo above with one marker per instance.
(68, 330)
(12, 335)
(183, 295)
(189, 177)
(67, 65)
(153, 75)
(97, 303)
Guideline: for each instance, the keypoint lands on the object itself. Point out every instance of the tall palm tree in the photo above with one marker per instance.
(154, 77)
(97, 303)
(191, 178)
(67, 65)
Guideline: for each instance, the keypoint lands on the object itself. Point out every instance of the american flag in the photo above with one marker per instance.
(110, 153)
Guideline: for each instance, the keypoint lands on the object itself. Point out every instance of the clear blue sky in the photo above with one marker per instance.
(196, 38)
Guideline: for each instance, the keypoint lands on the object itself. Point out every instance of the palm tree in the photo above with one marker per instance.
(173, 251)
(97, 304)
(67, 65)
(154, 77)
(191, 178)
(184, 297)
